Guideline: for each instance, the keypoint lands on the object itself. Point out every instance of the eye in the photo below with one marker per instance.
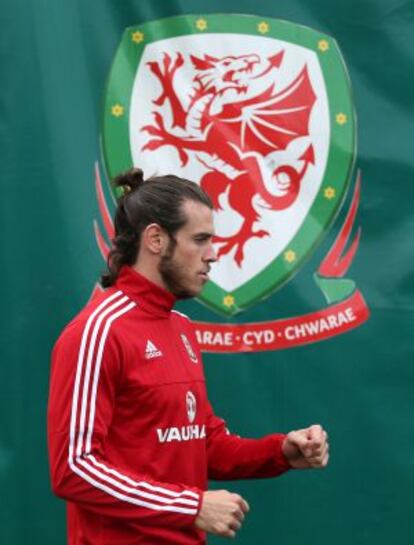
(201, 239)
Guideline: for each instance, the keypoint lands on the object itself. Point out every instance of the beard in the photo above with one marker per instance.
(173, 274)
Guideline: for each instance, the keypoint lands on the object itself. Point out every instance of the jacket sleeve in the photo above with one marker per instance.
(85, 372)
(232, 457)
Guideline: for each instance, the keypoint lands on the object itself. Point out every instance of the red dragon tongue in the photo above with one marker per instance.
(276, 60)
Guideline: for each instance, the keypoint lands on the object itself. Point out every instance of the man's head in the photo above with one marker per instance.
(164, 229)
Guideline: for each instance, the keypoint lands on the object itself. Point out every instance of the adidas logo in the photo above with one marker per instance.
(151, 351)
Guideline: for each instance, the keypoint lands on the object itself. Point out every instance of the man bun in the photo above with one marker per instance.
(129, 181)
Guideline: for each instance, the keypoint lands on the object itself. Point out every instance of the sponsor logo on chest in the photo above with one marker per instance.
(184, 433)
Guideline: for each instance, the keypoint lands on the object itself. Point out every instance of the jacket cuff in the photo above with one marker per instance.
(281, 459)
(190, 519)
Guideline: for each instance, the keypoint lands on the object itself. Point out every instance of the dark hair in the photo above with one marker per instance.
(156, 200)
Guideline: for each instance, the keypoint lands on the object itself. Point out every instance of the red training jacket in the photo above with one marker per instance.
(132, 436)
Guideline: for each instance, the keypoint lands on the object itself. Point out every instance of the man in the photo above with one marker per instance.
(132, 436)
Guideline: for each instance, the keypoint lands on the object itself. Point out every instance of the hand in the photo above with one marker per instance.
(307, 448)
(221, 513)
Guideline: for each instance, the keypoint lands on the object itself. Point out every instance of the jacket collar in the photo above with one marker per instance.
(149, 296)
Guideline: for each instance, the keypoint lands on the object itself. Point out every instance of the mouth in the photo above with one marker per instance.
(204, 275)
(250, 66)
(233, 77)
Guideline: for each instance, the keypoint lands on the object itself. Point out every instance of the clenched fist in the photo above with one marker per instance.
(307, 448)
(222, 513)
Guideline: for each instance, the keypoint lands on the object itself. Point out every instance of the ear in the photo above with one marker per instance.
(154, 239)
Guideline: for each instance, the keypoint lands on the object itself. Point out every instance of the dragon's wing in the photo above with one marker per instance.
(269, 122)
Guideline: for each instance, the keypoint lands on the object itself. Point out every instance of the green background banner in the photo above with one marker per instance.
(55, 60)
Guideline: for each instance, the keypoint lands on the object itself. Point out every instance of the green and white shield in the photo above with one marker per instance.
(259, 113)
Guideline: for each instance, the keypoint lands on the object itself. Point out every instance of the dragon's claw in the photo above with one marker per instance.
(159, 121)
(158, 129)
(179, 61)
(166, 62)
(160, 100)
(237, 241)
(153, 145)
(239, 256)
(163, 138)
(150, 129)
(183, 156)
(262, 233)
(224, 250)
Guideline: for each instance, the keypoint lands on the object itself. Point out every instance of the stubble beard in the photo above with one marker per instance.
(172, 274)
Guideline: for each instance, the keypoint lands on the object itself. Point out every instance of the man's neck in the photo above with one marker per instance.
(150, 272)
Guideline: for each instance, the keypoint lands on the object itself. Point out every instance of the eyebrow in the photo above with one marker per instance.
(203, 235)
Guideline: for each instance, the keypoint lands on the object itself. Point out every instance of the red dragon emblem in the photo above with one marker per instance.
(236, 133)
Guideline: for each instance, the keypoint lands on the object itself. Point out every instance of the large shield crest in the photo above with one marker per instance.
(259, 113)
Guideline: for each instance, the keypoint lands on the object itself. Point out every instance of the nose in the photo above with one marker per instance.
(211, 255)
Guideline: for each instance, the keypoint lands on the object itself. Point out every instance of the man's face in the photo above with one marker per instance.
(186, 262)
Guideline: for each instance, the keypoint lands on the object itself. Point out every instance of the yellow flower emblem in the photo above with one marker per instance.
(329, 193)
(201, 24)
(137, 37)
(228, 301)
(341, 119)
(290, 256)
(323, 45)
(117, 110)
(263, 27)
